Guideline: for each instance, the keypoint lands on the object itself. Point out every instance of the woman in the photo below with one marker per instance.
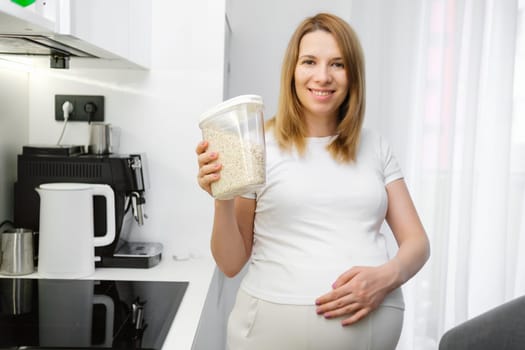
(311, 235)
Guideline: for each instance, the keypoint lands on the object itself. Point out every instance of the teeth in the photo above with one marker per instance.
(321, 93)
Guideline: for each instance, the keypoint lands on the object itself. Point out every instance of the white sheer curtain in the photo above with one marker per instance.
(445, 87)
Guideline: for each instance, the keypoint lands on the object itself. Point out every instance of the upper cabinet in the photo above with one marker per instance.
(94, 33)
(40, 17)
(122, 27)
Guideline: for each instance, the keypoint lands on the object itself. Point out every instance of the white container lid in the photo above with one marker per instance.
(229, 105)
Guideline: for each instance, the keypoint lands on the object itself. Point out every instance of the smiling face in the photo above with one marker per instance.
(321, 81)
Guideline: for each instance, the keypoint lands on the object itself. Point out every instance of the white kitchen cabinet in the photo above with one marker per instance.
(38, 18)
(121, 27)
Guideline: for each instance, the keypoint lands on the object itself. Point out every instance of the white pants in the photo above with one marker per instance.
(255, 324)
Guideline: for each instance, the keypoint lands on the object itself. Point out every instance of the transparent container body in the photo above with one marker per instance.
(235, 130)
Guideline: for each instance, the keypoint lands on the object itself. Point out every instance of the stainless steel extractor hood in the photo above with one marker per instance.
(39, 45)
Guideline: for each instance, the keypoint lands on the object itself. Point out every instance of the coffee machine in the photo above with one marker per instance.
(125, 173)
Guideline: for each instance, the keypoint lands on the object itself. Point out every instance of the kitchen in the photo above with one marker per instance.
(157, 109)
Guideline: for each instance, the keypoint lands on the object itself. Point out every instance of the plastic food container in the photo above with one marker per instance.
(235, 130)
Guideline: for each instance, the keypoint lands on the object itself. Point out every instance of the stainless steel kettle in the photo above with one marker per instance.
(17, 256)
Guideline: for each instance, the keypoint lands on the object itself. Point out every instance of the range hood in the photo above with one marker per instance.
(40, 45)
(44, 39)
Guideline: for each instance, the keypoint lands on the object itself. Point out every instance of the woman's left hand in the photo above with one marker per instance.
(356, 293)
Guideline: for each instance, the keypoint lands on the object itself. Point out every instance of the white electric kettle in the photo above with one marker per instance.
(67, 239)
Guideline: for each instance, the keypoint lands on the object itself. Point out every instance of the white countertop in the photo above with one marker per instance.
(197, 271)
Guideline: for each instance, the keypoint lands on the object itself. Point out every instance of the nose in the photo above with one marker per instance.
(322, 74)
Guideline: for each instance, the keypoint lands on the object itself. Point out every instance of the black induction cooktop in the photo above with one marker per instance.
(86, 314)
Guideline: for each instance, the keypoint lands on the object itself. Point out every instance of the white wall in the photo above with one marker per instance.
(13, 130)
(157, 112)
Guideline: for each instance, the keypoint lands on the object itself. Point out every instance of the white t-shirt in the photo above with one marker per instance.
(316, 218)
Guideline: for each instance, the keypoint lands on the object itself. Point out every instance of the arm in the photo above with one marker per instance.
(232, 234)
(402, 217)
(360, 290)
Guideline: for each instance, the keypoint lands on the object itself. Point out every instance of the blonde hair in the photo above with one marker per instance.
(288, 124)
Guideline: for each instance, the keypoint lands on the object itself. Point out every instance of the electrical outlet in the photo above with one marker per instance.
(85, 108)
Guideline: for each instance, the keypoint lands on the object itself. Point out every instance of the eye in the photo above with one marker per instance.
(339, 65)
(307, 61)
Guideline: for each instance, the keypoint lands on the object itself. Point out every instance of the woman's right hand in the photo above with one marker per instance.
(209, 168)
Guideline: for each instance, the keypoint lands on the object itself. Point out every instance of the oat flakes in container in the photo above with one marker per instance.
(235, 130)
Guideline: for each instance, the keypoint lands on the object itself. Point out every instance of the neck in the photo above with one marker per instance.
(319, 127)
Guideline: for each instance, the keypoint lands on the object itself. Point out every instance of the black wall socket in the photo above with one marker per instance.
(85, 108)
